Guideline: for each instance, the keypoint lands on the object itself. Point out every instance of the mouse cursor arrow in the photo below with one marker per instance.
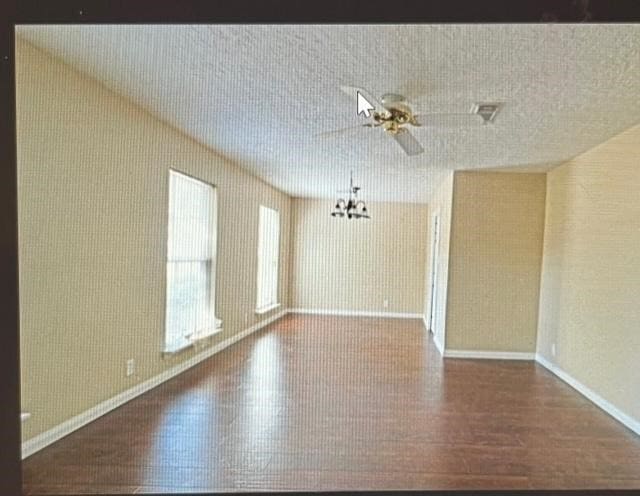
(364, 107)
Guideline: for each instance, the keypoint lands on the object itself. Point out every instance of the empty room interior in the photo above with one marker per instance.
(328, 257)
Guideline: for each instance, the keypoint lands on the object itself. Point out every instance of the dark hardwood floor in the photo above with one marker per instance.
(323, 403)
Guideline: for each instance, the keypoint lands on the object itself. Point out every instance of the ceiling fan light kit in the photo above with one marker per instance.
(351, 208)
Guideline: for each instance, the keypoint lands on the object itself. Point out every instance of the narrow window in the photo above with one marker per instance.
(268, 258)
(190, 262)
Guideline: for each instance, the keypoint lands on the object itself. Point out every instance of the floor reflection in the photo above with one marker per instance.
(187, 435)
(263, 391)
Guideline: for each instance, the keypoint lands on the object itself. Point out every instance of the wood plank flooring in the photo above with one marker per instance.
(329, 403)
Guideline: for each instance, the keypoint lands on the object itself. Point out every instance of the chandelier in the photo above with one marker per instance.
(353, 208)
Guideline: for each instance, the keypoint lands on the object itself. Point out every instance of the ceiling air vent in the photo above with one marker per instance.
(487, 111)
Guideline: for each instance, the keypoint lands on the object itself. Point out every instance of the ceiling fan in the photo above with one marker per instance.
(393, 114)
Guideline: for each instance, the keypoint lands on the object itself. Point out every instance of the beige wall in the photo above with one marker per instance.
(92, 200)
(590, 289)
(495, 256)
(440, 205)
(341, 264)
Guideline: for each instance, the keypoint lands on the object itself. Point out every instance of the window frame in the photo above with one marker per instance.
(262, 308)
(192, 339)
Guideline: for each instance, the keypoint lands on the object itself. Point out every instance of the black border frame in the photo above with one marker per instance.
(216, 11)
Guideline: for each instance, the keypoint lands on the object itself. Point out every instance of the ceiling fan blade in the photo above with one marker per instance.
(448, 120)
(337, 132)
(408, 142)
(353, 91)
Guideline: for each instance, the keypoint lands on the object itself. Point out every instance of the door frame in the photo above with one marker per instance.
(433, 270)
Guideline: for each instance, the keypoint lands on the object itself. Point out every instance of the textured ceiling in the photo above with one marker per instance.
(260, 94)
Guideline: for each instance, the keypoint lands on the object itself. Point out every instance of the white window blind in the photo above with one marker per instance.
(190, 312)
(268, 258)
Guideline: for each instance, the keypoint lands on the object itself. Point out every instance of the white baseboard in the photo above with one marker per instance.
(40, 441)
(357, 313)
(436, 341)
(438, 344)
(617, 414)
(489, 355)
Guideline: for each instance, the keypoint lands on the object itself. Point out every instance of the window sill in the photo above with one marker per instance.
(266, 309)
(192, 342)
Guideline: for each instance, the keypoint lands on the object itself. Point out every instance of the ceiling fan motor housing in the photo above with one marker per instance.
(396, 116)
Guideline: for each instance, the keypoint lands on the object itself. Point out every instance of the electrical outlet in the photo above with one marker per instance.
(385, 303)
(131, 367)
(553, 349)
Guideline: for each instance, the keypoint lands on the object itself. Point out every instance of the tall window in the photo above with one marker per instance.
(268, 256)
(190, 262)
